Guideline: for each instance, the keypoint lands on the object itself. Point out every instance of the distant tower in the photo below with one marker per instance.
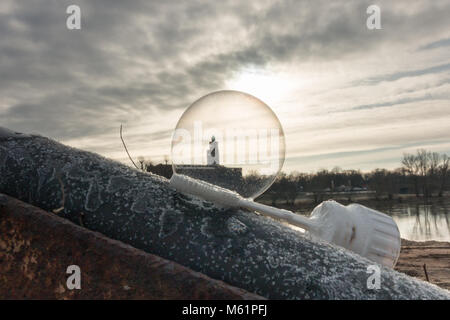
(212, 154)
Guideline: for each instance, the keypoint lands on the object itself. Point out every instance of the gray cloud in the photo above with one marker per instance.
(441, 68)
(160, 55)
(436, 44)
(427, 97)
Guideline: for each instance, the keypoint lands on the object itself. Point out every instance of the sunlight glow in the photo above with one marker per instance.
(269, 87)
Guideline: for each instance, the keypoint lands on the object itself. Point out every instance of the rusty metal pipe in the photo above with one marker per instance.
(38, 246)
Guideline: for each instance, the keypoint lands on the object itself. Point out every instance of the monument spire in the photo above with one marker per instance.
(212, 154)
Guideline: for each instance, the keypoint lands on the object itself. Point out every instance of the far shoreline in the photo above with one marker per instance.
(308, 202)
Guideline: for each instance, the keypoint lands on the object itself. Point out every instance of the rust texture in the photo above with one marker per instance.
(36, 247)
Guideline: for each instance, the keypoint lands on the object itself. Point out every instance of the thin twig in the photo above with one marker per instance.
(426, 273)
(81, 219)
(63, 200)
(126, 149)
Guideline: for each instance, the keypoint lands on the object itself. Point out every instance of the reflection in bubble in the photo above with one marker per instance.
(230, 139)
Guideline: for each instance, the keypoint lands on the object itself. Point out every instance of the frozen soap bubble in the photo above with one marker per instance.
(230, 139)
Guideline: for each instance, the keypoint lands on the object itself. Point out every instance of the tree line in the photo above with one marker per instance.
(424, 174)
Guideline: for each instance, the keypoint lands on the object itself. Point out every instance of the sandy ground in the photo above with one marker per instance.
(434, 254)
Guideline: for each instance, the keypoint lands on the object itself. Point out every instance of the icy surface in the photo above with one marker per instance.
(239, 247)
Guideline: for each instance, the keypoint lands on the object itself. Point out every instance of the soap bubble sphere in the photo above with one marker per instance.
(230, 139)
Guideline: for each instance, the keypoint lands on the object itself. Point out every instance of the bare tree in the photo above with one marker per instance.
(141, 161)
(434, 160)
(293, 186)
(411, 165)
(422, 160)
(383, 181)
(443, 172)
(429, 169)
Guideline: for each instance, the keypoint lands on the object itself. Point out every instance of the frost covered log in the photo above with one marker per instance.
(241, 248)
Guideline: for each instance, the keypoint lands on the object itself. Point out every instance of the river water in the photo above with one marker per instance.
(419, 221)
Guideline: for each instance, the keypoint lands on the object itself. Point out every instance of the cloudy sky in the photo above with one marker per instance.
(347, 96)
